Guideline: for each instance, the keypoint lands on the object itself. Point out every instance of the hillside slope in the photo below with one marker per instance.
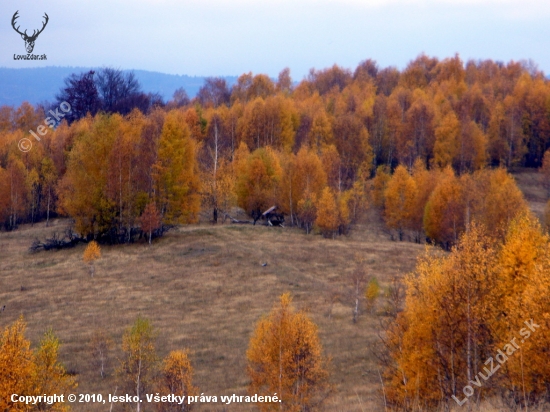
(204, 288)
(36, 85)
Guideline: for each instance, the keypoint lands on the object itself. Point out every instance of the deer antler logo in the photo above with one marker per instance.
(29, 40)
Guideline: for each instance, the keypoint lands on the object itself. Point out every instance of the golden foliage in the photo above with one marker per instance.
(307, 211)
(302, 174)
(92, 252)
(177, 378)
(259, 174)
(17, 367)
(140, 358)
(464, 307)
(82, 190)
(285, 357)
(26, 373)
(50, 375)
(176, 174)
(328, 215)
(399, 199)
(444, 212)
(446, 148)
(379, 185)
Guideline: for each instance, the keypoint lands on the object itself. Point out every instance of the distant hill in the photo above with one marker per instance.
(36, 85)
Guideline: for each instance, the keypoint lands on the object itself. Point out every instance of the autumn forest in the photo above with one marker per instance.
(427, 154)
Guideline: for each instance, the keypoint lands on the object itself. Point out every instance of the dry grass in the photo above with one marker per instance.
(530, 183)
(203, 288)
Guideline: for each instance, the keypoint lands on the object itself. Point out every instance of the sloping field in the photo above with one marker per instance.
(204, 288)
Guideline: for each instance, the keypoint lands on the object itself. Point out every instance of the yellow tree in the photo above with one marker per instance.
(306, 212)
(473, 147)
(282, 121)
(327, 213)
(26, 373)
(32, 181)
(379, 185)
(176, 173)
(216, 177)
(302, 174)
(320, 134)
(344, 218)
(524, 305)
(91, 254)
(17, 367)
(137, 365)
(48, 177)
(122, 185)
(357, 199)
(285, 357)
(399, 200)
(444, 213)
(258, 177)
(177, 378)
(500, 200)
(82, 190)
(352, 142)
(332, 164)
(425, 183)
(50, 376)
(446, 148)
(438, 343)
(253, 125)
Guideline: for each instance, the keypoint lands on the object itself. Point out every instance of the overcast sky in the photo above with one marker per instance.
(226, 37)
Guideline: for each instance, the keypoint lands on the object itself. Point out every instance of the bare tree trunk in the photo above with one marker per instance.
(138, 383)
(48, 208)
(111, 408)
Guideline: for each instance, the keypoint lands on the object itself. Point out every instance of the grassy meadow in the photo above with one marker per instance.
(204, 288)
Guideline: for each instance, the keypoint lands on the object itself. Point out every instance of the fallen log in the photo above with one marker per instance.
(237, 221)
